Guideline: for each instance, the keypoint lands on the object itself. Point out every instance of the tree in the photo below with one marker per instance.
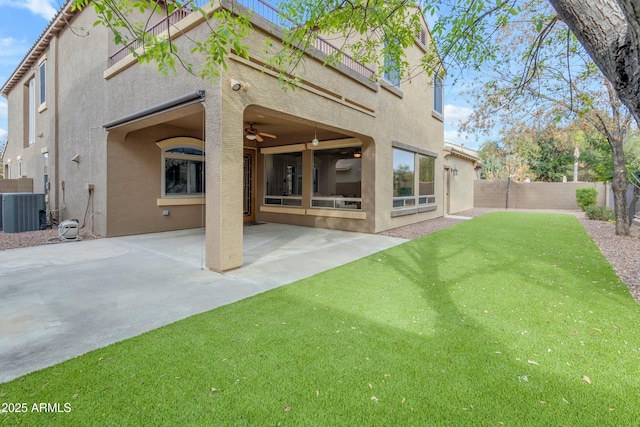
(554, 162)
(543, 82)
(492, 155)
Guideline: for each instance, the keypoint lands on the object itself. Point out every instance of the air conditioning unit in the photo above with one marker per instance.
(1, 194)
(21, 212)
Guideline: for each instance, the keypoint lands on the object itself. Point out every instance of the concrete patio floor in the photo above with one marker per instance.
(62, 300)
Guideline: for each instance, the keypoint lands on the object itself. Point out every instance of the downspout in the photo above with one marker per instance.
(56, 132)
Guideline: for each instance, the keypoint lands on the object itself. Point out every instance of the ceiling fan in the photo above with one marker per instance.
(252, 133)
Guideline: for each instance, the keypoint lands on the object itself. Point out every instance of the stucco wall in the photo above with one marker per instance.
(461, 186)
(81, 95)
(134, 185)
(534, 195)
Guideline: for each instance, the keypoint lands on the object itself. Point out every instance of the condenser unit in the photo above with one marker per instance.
(1, 194)
(21, 212)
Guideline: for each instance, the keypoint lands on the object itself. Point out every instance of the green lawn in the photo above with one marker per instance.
(509, 319)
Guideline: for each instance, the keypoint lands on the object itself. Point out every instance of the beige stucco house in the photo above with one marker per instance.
(126, 150)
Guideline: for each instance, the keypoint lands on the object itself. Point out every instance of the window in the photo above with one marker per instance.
(183, 167)
(403, 178)
(183, 171)
(405, 192)
(19, 168)
(337, 178)
(43, 82)
(32, 111)
(438, 95)
(391, 74)
(283, 179)
(426, 179)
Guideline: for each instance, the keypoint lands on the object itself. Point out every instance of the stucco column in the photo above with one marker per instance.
(224, 184)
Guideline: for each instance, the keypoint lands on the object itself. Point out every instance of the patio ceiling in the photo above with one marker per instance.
(288, 129)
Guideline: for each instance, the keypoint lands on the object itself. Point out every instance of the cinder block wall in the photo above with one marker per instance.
(21, 185)
(534, 195)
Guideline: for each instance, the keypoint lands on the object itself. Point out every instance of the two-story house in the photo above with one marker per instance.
(127, 150)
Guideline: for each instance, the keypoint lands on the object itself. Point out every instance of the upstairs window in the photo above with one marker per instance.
(438, 95)
(43, 82)
(31, 102)
(391, 74)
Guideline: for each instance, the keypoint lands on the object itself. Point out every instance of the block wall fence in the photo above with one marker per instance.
(533, 195)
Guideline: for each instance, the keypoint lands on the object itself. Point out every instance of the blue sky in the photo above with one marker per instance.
(22, 21)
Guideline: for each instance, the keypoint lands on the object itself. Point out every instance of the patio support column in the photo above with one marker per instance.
(307, 178)
(224, 184)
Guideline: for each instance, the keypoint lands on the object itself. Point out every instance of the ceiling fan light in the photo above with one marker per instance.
(250, 137)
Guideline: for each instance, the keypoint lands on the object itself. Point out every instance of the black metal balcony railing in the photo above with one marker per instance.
(261, 8)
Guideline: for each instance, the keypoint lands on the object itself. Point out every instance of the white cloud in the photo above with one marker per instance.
(3, 134)
(455, 114)
(42, 8)
(10, 47)
(4, 109)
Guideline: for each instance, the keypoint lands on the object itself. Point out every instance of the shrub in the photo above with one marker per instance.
(600, 213)
(586, 197)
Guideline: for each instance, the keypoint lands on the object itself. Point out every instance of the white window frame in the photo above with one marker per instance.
(173, 143)
(42, 75)
(19, 168)
(32, 110)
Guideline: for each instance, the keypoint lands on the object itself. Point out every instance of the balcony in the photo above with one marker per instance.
(260, 8)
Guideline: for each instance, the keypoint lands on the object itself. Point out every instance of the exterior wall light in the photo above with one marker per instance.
(236, 85)
(454, 171)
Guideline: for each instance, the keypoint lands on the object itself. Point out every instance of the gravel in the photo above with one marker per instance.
(622, 252)
(34, 238)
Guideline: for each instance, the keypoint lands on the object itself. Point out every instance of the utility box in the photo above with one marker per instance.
(22, 212)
